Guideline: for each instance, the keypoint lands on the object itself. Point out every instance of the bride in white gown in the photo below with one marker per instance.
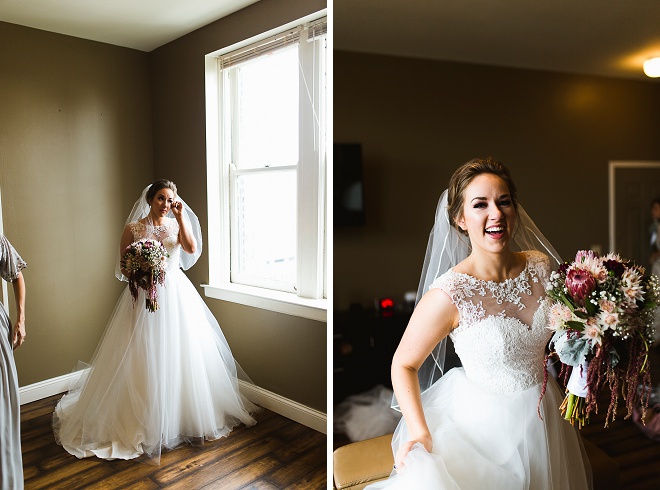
(157, 379)
(478, 426)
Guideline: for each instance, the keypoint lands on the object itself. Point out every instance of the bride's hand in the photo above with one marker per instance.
(177, 209)
(426, 441)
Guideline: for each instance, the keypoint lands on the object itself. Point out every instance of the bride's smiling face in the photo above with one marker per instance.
(162, 202)
(489, 215)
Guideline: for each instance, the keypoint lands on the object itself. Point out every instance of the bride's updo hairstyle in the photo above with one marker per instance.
(158, 185)
(462, 178)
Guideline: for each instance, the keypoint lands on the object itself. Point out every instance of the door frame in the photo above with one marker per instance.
(613, 166)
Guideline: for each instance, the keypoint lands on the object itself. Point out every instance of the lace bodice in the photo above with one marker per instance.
(167, 234)
(501, 336)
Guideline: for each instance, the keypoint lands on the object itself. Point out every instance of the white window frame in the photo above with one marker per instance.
(244, 278)
(310, 299)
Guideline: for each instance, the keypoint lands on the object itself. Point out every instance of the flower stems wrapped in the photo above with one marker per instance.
(574, 409)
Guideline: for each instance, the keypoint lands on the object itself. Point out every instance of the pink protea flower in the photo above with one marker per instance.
(580, 284)
(583, 255)
(591, 262)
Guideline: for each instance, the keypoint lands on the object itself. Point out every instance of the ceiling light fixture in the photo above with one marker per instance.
(652, 67)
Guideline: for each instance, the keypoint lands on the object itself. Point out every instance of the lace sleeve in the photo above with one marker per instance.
(539, 267)
(444, 282)
(11, 264)
(136, 230)
(465, 293)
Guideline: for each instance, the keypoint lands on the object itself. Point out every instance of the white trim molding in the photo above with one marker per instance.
(295, 411)
(268, 299)
(613, 166)
(287, 408)
(49, 387)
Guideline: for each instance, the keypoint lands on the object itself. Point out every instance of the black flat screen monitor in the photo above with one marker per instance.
(348, 192)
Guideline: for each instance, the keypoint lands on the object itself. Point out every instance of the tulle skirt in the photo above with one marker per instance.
(494, 441)
(156, 380)
(366, 415)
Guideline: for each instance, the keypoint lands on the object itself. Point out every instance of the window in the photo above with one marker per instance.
(266, 137)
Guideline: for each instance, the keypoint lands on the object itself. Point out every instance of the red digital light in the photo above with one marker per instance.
(386, 303)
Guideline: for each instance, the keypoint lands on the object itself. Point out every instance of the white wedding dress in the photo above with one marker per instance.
(483, 416)
(157, 379)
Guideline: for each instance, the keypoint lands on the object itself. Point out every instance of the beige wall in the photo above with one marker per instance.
(79, 139)
(281, 353)
(75, 151)
(417, 120)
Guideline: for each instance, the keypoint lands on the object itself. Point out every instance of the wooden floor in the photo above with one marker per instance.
(638, 456)
(276, 453)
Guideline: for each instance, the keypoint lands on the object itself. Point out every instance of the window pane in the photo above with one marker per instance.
(266, 225)
(268, 111)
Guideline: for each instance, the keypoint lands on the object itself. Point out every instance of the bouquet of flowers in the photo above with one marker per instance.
(144, 261)
(602, 316)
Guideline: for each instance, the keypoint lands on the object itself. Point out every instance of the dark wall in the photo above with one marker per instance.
(418, 120)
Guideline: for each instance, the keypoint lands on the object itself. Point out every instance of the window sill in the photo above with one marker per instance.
(280, 302)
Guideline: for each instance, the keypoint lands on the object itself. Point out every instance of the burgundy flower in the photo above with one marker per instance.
(614, 266)
(580, 284)
(563, 268)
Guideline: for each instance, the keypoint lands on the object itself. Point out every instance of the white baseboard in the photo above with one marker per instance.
(48, 387)
(287, 408)
(272, 401)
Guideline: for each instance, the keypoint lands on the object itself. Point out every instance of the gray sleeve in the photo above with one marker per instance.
(11, 264)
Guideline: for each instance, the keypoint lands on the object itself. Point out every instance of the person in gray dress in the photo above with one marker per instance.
(11, 337)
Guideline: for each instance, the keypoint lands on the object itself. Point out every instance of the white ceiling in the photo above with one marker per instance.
(138, 24)
(600, 37)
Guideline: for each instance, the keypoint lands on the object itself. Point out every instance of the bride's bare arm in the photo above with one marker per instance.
(186, 237)
(433, 319)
